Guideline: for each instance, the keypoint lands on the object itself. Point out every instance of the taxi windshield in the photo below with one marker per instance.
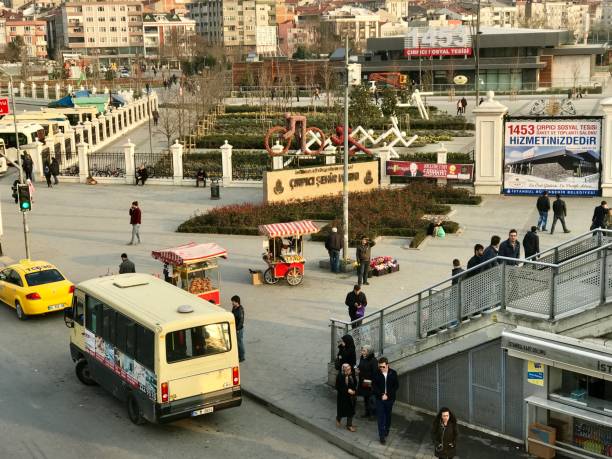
(43, 277)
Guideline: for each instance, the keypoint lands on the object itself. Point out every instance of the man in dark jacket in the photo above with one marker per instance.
(364, 253)
(543, 206)
(491, 251)
(333, 244)
(356, 299)
(475, 260)
(510, 248)
(135, 220)
(384, 387)
(55, 170)
(559, 213)
(457, 269)
(28, 166)
(238, 312)
(126, 266)
(531, 242)
(599, 215)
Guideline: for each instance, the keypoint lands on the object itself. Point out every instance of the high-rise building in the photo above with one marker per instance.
(167, 35)
(397, 8)
(33, 33)
(240, 26)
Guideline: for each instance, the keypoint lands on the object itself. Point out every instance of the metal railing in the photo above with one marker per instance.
(210, 162)
(159, 165)
(564, 280)
(105, 164)
(248, 171)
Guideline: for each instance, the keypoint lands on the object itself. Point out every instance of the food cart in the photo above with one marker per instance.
(195, 268)
(284, 250)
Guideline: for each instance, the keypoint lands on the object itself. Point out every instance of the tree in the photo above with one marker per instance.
(389, 102)
(362, 109)
(16, 49)
(168, 124)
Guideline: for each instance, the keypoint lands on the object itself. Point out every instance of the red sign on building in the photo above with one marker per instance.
(4, 106)
(430, 170)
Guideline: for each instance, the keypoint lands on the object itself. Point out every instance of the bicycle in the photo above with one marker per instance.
(284, 136)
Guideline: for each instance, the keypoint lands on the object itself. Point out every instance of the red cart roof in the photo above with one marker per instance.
(189, 252)
(288, 229)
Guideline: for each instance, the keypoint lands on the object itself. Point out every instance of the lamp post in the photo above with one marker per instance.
(345, 190)
(477, 50)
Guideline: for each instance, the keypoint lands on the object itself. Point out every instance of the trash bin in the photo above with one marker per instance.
(214, 189)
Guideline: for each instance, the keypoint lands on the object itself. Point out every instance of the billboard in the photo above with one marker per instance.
(559, 155)
(438, 41)
(430, 170)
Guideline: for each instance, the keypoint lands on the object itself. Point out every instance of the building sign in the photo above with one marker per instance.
(535, 373)
(313, 182)
(430, 170)
(438, 41)
(559, 155)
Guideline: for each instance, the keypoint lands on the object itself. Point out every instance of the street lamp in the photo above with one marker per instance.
(26, 229)
(345, 189)
(477, 79)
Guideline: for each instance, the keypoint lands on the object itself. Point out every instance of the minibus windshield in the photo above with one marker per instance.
(198, 342)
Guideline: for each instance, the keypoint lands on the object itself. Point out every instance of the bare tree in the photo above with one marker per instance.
(168, 124)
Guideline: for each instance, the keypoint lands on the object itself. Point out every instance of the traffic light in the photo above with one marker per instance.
(25, 200)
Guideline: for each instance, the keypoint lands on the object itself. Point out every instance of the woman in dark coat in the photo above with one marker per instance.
(346, 385)
(368, 366)
(444, 434)
(346, 352)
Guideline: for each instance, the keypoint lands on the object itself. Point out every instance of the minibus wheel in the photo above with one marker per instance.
(83, 373)
(134, 411)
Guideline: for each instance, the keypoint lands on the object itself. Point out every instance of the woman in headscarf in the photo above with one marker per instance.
(368, 366)
(346, 352)
(444, 434)
(346, 385)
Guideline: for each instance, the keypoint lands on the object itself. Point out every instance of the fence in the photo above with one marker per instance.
(159, 165)
(210, 162)
(580, 278)
(106, 164)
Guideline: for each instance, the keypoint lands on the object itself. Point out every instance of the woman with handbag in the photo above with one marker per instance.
(444, 434)
(346, 352)
(368, 366)
(346, 385)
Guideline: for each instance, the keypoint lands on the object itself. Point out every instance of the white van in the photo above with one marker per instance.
(28, 133)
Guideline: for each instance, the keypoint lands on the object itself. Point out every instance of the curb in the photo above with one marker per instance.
(347, 446)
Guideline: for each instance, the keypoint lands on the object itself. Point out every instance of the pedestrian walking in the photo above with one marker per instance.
(317, 95)
(543, 206)
(367, 369)
(346, 352)
(384, 387)
(333, 244)
(531, 242)
(444, 434)
(126, 266)
(47, 172)
(14, 192)
(511, 247)
(135, 221)
(155, 117)
(598, 215)
(491, 251)
(356, 302)
(559, 213)
(238, 312)
(463, 105)
(459, 107)
(457, 269)
(28, 165)
(480, 101)
(201, 176)
(346, 385)
(364, 253)
(55, 170)
(475, 260)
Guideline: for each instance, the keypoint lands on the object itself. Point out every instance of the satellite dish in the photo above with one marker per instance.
(460, 79)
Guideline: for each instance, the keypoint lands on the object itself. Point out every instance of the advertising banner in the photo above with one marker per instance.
(438, 41)
(535, 373)
(430, 170)
(559, 155)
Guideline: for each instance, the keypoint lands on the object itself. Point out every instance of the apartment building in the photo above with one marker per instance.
(107, 29)
(499, 16)
(557, 15)
(358, 24)
(240, 26)
(33, 33)
(167, 35)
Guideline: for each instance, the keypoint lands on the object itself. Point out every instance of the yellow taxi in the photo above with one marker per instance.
(34, 287)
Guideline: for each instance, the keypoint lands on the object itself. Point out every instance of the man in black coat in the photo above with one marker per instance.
(510, 248)
(531, 242)
(55, 170)
(491, 251)
(475, 260)
(384, 387)
(599, 215)
(333, 244)
(355, 300)
(543, 206)
(559, 213)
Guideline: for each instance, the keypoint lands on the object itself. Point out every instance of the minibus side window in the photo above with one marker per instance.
(130, 342)
(93, 311)
(197, 342)
(79, 309)
(122, 323)
(144, 346)
(108, 324)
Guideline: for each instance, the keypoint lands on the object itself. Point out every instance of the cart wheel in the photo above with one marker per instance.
(269, 277)
(294, 277)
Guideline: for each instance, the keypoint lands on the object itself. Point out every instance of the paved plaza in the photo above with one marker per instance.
(83, 229)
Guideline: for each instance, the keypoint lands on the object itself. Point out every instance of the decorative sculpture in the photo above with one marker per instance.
(355, 146)
(296, 126)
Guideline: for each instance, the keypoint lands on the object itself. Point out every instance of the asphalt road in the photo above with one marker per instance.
(45, 412)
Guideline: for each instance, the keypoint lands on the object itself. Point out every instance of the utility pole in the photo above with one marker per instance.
(477, 50)
(345, 189)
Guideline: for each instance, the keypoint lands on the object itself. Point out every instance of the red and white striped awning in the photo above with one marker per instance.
(191, 252)
(288, 229)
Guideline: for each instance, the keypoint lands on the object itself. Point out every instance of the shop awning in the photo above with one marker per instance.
(191, 252)
(288, 228)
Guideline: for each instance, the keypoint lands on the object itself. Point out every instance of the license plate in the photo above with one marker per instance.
(202, 411)
(55, 307)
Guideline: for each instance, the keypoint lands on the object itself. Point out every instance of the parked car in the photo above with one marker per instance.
(123, 73)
